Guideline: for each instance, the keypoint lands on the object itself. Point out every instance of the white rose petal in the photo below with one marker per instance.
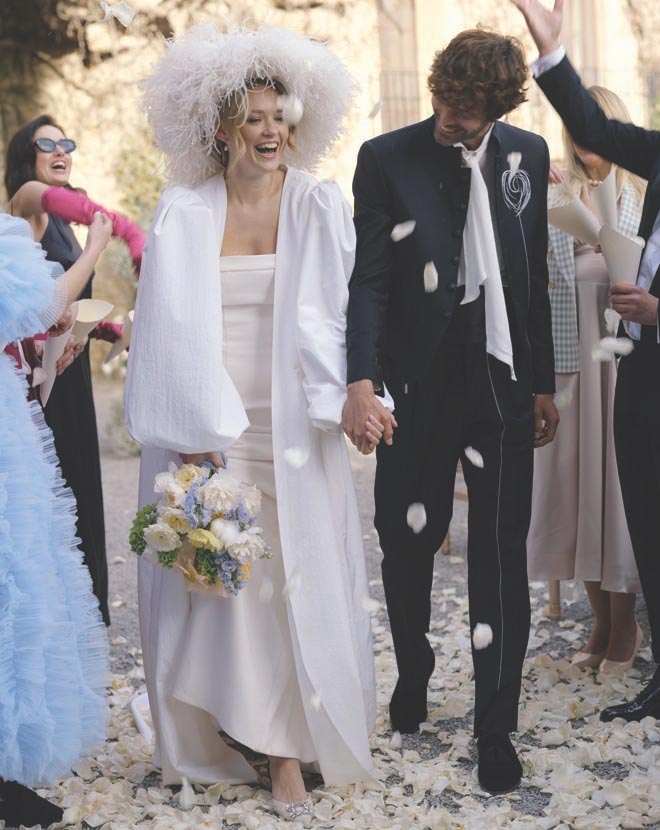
(563, 398)
(395, 740)
(612, 321)
(416, 517)
(371, 605)
(226, 532)
(482, 636)
(617, 345)
(266, 590)
(292, 585)
(186, 795)
(599, 355)
(118, 560)
(121, 11)
(375, 109)
(161, 537)
(402, 230)
(292, 109)
(315, 701)
(474, 457)
(430, 278)
(296, 457)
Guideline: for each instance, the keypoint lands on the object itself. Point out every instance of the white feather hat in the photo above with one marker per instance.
(204, 67)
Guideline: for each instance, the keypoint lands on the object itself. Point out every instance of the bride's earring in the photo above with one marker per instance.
(223, 152)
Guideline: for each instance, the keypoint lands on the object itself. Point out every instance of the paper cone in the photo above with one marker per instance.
(90, 312)
(603, 200)
(124, 341)
(53, 351)
(622, 255)
(576, 219)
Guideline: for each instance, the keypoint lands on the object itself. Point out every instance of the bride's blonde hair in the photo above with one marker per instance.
(577, 180)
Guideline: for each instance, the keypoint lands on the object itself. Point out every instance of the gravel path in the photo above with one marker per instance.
(571, 761)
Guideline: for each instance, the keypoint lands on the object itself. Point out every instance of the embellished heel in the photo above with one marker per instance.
(300, 811)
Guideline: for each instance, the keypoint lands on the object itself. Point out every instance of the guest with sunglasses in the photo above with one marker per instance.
(37, 176)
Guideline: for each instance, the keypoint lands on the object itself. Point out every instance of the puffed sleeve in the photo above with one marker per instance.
(31, 300)
(327, 253)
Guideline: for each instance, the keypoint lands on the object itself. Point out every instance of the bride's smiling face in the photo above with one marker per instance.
(264, 134)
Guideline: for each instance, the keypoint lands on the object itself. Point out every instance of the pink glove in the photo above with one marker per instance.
(109, 332)
(73, 206)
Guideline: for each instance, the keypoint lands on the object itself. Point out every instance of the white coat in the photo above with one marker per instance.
(179, 398)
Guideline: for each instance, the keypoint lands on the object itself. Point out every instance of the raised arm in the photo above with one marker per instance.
(631, 147)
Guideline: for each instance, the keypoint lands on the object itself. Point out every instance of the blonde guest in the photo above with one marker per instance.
(578, 528)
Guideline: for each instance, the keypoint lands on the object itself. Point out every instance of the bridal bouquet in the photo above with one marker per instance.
(204, 525)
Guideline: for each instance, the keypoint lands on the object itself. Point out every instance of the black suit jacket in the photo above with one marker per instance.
(394, 327)
(627, 145)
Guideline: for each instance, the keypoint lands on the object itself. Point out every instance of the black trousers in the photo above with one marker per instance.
(637, 441)
(468, 399)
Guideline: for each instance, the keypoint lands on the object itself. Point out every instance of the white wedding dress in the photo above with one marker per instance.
(239, 664)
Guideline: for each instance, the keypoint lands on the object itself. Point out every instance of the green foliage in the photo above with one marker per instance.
(167, 558)
(205, 565)
(145, 516)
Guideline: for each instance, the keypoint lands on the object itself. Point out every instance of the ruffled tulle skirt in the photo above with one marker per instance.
(53, 643)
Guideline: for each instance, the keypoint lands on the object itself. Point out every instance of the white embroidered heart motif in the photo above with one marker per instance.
(516, 190)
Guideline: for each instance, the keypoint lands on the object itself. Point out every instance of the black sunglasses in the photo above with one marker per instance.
(47, 145)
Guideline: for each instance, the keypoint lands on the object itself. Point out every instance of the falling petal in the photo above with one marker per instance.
(315, 701)
(514, 160)
(292, 585)
(402, 230)
(416, 517)
(395, 740)
(371, 605)
(39, 375)
(474, 457)
(121, 11)
(612, 320)
(186, 795)
(266, 590)
(482, 636)
(598, 354)
(292, 109)
(296, 457)
(118, 560)
(430, 278)
(617, 345)
(117, 603)
(564, 398)
(375, 109)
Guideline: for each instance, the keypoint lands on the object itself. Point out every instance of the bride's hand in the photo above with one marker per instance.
(197, 458)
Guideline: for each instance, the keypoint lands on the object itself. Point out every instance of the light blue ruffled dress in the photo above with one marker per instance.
(53, 643)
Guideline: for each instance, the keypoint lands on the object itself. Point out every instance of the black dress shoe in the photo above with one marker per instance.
(22, 806)
(499, 769)
(647, 703)
(408, 705)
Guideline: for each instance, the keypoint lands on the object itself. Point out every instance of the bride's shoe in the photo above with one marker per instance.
(585, 660)
(300, 811)
(617, 667)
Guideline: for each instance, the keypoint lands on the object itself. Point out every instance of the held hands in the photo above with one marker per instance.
(99, 233)
(365, 420)
(634, 304)
(196, 458)
(543, 24)
(546, 419)
(71, 351)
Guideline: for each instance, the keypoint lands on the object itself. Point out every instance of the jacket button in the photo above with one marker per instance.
(455, 260)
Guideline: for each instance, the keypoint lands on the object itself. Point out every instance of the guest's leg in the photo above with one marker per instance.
(501, 429)
(623, 627)
(637, 439)
(600, 605)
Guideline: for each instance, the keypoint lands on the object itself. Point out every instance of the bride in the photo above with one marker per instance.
(238, 347)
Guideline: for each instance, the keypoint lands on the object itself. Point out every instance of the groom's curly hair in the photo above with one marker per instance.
(480, 71)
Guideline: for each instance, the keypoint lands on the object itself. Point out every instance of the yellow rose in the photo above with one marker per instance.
(203, 539)
(185, 475)
(176, 519)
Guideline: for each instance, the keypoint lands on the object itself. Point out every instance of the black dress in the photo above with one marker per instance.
(71, 415)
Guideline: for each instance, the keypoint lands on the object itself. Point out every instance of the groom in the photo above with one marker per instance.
(454, 321)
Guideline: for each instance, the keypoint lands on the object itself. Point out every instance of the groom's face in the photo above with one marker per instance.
(457, 126)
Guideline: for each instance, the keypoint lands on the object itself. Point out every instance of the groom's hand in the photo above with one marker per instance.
(364, 419)
(198, 457)
(543, 24)
(546, 419)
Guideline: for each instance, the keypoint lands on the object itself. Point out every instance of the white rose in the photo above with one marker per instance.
(248, 546)
(166, 485)
(252, 500)
(226, 532)
(219, 494)
(161, 537)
